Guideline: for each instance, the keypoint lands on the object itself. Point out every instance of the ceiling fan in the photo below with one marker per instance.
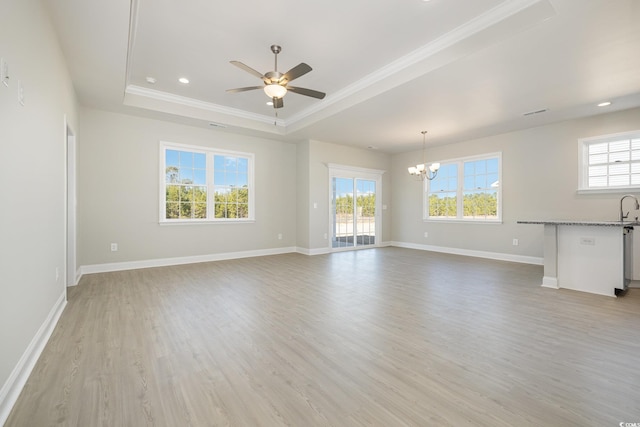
(276, 84)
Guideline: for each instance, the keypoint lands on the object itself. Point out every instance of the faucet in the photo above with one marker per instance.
(623, 216)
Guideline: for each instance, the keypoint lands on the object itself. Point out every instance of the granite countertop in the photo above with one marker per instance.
(579, 222)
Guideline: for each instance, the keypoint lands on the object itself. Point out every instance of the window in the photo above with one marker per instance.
(466, 190)
(200, 184)
(610, 162)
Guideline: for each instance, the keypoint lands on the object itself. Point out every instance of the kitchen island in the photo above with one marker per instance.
(586, 256)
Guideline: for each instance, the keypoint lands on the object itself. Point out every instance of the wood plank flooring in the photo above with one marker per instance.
(378, 337)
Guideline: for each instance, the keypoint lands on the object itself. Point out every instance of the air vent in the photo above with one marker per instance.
(531, 113)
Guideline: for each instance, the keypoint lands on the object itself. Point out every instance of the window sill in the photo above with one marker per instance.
(618, 190)
(465, 221)
(208, 222)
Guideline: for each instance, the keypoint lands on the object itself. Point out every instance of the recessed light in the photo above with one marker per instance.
(604, 104)
(151, 80)
(183, 80)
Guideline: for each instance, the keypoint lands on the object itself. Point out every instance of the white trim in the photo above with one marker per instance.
(202, 105)
(311, 252)
(171, 222)
(133, 30)
(164, 262)
(71, 204)
(460, 161)
(324, 251)
(523, 259)
(210, 154)
(550, 282)
(610, 137)
(612, 190)
(388, 73)
(446, 41)
(583, 164)
(354, 171)
(18, 378)
(464, 221)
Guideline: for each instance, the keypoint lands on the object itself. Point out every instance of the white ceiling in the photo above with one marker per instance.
(459, 69)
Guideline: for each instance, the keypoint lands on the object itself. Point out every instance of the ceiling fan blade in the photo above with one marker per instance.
(278, 103)
(244, 89)
(248, 69)
(307, 92)
(297, 71)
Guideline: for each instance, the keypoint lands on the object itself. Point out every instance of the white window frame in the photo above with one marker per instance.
(460, 161)
(210, 153)
(583, 163)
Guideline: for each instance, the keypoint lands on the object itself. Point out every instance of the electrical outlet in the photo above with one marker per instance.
(279, 236)
(57, 274)
(325, 236)
(515, 242)
(426, 234)
(4, 71)
(114, 247)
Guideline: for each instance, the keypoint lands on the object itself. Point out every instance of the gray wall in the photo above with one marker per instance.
(303, 189)
(118, 192)
(33, 176)
(540, 179)
(322, 153)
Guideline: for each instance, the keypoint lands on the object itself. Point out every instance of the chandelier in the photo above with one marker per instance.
(421, 170)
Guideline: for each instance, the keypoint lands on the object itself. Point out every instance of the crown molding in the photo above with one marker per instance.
(463, 32)
(202, 105)
(378, 80)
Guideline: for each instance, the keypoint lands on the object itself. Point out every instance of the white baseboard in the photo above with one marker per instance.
(550, 282)
(473, 253)
(163, 262)
(322, 251)
(76, 278)
(317, 251)
(13, 386)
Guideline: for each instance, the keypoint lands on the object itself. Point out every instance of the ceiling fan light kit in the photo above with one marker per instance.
(275, 90)
(276, 83)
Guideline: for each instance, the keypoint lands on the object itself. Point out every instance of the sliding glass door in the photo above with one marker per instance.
(354, 211)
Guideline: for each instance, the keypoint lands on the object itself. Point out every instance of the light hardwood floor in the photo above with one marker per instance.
(382, 337)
